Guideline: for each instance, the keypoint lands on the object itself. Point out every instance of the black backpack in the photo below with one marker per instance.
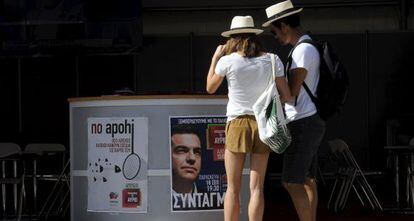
(333, 87)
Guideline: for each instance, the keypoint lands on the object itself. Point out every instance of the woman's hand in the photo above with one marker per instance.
(214, 80)
(220, 51)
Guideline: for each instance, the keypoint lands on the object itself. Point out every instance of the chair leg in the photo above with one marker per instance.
(367, 194)
(350, 181)
(333, 191)
(35, 186)
(3, 187)
(15, 186)
(22, 197)
(43, 211)
(54, 200)
(340, 193)
(62, 203)
(375, 200)
(411, 179)
(343, 191)
(410, 188)
(358, 195)
(407, 187)
(66, 208)
(321, 175)
(397, 178)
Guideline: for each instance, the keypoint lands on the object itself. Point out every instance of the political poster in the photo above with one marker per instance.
(117, 164)
(198, 178)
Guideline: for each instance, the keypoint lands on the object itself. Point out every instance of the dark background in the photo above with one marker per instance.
(52, 50)
(34, 90)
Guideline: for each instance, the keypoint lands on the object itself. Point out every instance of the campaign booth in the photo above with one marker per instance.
(125, 158)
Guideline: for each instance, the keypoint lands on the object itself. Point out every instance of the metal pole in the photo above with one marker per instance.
(35, 185)
(3, 187)
(403, 14)
(15, 185)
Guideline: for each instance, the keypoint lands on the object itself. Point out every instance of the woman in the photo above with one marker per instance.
(247, 69)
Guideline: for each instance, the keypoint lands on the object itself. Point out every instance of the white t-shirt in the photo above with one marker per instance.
(304, 56)
(247, 78)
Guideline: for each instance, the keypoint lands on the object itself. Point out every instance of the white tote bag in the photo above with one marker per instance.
(270, 117)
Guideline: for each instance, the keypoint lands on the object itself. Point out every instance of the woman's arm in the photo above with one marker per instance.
(284, 90)
(214, 80)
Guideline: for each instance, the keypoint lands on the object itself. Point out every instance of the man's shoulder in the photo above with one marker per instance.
(306, 49)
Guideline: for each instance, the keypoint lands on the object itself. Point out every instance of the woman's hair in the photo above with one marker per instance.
(247, 43)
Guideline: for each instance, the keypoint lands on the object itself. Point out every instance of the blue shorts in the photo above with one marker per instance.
(301, 157)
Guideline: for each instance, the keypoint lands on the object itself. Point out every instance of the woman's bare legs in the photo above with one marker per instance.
(234, 167)
(258, 164)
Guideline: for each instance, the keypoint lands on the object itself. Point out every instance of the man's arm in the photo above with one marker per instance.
(297, 76)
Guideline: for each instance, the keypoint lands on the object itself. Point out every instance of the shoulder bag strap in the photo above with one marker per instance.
(272, 59)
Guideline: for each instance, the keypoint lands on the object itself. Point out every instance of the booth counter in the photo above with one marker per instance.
(107, 185)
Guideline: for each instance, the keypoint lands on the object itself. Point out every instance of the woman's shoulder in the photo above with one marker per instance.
(274, 54)
(266, 57)
(228, 57)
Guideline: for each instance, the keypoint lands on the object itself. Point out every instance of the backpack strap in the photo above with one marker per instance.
(289, 65)
(289, 61)
(313, 98)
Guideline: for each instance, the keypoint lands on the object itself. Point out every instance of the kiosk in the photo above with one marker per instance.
(155, 112)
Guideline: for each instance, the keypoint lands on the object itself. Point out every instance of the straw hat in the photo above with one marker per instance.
(242, 24)
(280, 10)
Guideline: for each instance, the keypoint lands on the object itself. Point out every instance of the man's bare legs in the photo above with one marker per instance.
(312, 191)
(305, 198)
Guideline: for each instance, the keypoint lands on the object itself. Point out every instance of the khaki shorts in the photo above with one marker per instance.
(242, 136)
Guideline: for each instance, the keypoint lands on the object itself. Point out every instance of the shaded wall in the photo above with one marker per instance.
(321, 16)
(34, 89)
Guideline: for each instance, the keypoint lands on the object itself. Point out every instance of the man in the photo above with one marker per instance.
(306, 127)
(185, 159)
